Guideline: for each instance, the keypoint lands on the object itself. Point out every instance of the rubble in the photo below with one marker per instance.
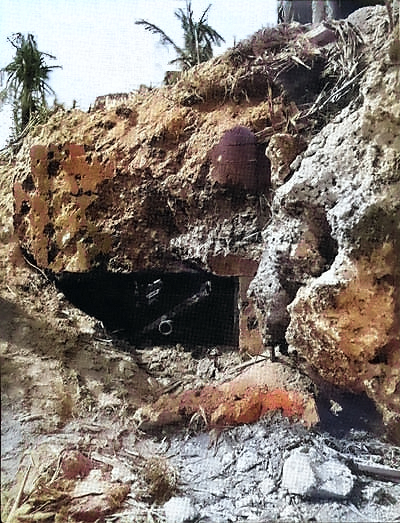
(95, 505)
(180, 510)
(307, 473)
(312, 476)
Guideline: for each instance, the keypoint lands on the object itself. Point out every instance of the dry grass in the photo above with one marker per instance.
(260, 68)
(161, 480)
(44, 496)
(343, 69)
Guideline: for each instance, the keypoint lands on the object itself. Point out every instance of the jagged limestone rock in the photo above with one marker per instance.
(342, 318)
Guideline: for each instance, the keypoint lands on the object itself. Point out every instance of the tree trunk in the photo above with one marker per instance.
(285, 12)
(324, 10)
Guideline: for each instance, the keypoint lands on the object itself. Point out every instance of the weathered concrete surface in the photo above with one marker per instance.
(66, 384)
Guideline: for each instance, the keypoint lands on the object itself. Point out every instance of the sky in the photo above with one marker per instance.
(100, 48)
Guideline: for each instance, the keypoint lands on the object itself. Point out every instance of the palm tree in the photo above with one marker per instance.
(199, 37)
(27, 82)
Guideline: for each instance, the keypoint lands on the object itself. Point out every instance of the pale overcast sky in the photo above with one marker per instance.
(101, 49)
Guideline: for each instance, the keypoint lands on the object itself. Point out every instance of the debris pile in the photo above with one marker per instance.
(241, 476)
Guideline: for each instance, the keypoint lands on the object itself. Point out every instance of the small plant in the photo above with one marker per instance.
(161, 480)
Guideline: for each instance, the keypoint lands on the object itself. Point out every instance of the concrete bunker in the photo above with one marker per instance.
(192, 308)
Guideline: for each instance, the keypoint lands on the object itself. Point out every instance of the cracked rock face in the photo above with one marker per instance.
(130, 189)
(328, 283)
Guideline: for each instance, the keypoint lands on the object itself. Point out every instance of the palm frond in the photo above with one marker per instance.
(204, 16)
(27, 79)
(165, 39)
(199, 37)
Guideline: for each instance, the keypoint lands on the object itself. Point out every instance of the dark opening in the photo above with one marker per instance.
(356, 411)
(158, 308)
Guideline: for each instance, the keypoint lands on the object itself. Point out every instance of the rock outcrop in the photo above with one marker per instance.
(135, 187)
(328, 284)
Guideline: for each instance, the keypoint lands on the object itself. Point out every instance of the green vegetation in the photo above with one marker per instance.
(27, 82)
(199, 37)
